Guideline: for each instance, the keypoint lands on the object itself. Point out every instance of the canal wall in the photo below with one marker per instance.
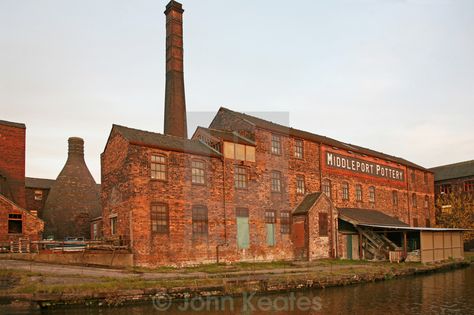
(225, 285)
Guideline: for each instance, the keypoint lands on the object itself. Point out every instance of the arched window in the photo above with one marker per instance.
(413, 200)
(395, 198)
(359, 192)
(372, 194)
(345, 191)
(326, 187)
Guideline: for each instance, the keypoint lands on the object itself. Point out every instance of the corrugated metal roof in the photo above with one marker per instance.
(318, 138)
(452, 171)
(411, 228)
(369, 217)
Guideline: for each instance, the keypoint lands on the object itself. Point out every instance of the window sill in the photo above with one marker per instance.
(198, 184)
(158, 180)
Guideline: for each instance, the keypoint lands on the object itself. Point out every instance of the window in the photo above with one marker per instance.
(240, 177)
(359, 192)
(372, 194)
(446, 209)
(197, 168)
(300, 189)
(243, 239)
(413, 177)
(159, 218)
(395, 198)
(285, 222)
(270, 220)
(276, 144)
(276, 181)
(38, 195)
(469, 186)
(113, 225)
(427, 202)
(428, 223)
(345, 191)
(158, 167)
(425, 178)
(323, 224)
(200, 220)
(327, 187)
(415, 222)
(445, 189)
(413, 200)
(298, 149)
(15, 224)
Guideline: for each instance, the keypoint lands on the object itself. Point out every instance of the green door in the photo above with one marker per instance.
(349, 246)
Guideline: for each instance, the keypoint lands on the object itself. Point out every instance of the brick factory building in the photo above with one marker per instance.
(247, 189)
(15, 221)
(68, 204)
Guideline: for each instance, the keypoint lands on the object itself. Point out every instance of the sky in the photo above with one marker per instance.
(395, 76)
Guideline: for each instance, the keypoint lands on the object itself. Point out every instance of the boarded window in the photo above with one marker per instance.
(158, 167)
(414, 200)
(198, 172)
(249, 153)
(300, 187)
(276, 181)
(200, 220)
(395, 198)
(239, 151)
(240, 177)
(285, 222)
(415, 222)
(243, 232)
(270, 220)
(327, 187)
(323, 224)
(15, 223)
(159, 218)
(276, 144)
(38, 195)
(359, 192)
(372, 194)
(298, 149)
(345, 191)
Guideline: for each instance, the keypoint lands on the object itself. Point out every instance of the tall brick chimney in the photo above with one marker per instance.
(175, 103)
(74, 197)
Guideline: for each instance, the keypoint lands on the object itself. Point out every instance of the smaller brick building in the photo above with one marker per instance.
(37, 191)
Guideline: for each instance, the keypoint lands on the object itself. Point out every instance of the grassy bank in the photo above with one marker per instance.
(139, 284)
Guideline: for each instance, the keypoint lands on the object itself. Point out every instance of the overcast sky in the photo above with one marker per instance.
(392, 75)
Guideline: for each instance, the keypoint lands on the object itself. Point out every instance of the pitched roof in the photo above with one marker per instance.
(265, 124)
(12, 124)
(306, 204)
(152, 139)
(368, 217)
(42, 183)
(456, 170)
(231, 136)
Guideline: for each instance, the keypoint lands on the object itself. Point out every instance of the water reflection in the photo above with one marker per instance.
(442, 293)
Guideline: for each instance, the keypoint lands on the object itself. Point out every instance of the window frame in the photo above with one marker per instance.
(326, 185)
(299, 149)
(394, 198)
(113, 225)
(323, 229)
(160, 164)
(241, 179)
(38, 194)
(15, 218)
(414, 200)
(468, 186)
(200, 169)
(359, 193)
(157, 218)
(276, 182)
(372, 194)
(200, 221)
(285, 222)
(345, 191)
(300, 189)
(426, 202)
(276, 145)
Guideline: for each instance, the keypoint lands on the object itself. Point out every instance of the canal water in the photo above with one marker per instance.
(441, 293)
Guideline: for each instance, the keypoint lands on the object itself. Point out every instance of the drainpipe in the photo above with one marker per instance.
(408, 197)
(224, 204)
(331, 214)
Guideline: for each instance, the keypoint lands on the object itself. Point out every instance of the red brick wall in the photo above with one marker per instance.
(32, 203)
(32, 225)
(12, 161)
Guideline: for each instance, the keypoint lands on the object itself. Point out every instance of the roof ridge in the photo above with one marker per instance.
(453, 164)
